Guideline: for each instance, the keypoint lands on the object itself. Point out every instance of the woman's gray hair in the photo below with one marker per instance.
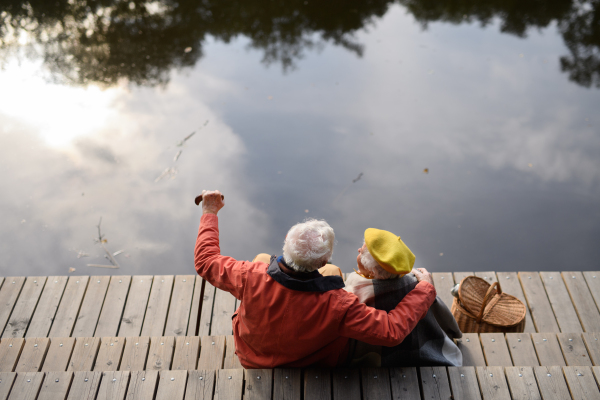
(373, 267)
(308, 245)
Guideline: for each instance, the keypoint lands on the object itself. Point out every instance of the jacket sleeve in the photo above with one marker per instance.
(381, 328)
(223, 272)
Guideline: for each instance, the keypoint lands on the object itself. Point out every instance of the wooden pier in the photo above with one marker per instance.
(169, 337)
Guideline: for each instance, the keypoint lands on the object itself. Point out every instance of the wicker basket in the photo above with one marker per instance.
(481, 307)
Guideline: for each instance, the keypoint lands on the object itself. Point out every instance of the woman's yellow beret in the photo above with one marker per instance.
(389, 251)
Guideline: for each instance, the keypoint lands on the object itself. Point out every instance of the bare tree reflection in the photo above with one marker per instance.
(104, 41)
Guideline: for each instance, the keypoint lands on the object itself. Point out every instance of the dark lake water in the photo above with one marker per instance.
(471, 129)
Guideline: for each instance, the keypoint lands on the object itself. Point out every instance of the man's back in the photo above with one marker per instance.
(275, 325)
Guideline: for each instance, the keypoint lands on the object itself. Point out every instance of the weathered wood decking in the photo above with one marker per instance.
(136, 337)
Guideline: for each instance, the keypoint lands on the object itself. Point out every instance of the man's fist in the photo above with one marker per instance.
(212, 201)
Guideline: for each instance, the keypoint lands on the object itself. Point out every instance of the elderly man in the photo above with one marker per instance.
(290, 315)
(382, 281)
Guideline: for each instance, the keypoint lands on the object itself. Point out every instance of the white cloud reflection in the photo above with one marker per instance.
(95, 153)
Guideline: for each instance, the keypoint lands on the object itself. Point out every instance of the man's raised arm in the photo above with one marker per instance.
(223, 272)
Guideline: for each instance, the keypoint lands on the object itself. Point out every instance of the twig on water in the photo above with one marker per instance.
(110, 257)
(347, 187)
(102, 266)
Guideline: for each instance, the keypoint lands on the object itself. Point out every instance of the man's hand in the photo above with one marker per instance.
(422, 275)
(212, 201)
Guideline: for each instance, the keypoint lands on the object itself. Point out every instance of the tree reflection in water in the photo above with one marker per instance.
(106, 41)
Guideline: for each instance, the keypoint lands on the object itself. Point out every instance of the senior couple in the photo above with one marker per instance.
(296, 311)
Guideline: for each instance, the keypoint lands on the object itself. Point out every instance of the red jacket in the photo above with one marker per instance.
(276, 326)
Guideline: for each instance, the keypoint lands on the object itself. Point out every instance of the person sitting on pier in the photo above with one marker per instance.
(291, 315)
(385, 277)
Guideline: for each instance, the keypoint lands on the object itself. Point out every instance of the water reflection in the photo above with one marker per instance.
(510, 144)
(105, 41)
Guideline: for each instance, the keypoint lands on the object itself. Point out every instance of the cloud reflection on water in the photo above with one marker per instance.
(57, 194)
(456, 100)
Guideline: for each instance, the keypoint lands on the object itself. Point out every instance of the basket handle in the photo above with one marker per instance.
(488, 296)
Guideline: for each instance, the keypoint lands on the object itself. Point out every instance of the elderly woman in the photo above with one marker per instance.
(290, 314)
(383, 280)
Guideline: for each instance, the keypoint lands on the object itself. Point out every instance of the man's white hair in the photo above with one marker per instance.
(371, 265)
(308, 245)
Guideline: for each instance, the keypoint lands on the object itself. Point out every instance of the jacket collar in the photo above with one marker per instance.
(315, 282)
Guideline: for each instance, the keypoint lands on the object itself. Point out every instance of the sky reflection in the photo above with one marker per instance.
(510, 145)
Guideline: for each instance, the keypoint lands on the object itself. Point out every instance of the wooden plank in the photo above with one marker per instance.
(26, 386)
(187, 352)
(581, 383)
(158, 306)
(443, 282)
(48, 305)
(212, 352)
(200, 385)
(435, 384)
(551, 383)
(522, 383)
(346, 384)
(24, 307)
(84, 354)
(459, 276)
(317, 384)
(113, 385)
(509, 281)
(229, 384)
(59, 354)
(259, 384)
(135, 307)
(91, 307)
(584, 303)
(592, 279)
(222, 312)
(488, 276)
(85, 385)
(181, 304)
(6, 382)
(470, 346)
(142, 385)
(493, 383)
(171, 385)
(495, 349)
(196, 307)
(109, 354)
(160, 355)
(208, 299)
(463, 382)
(561, 302)
(287, 383)
(135, 354)
(66, 315)
(10, 350)
(114, 304)
(9, 293)
(592, 345)
(376, 383)
(547, 349)
(56, 386)
(573, 349)
(596, 372)
(32, 355)
(537, 300)
(521, 349)
(231, 359)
